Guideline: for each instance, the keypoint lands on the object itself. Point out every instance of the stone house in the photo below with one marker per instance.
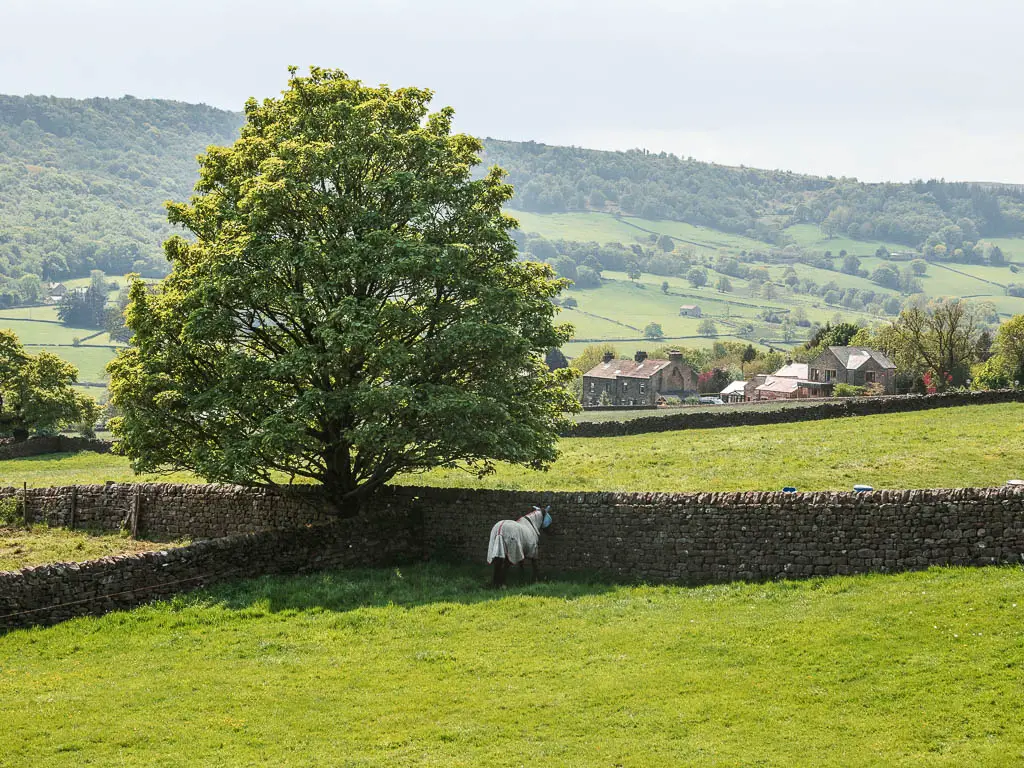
(689, 310)
(640, 381)
(859, 366)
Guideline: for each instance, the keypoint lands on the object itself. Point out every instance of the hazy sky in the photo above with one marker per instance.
(878, 89)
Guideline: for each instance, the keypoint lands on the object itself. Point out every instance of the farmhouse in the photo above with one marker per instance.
(640, 381)
(54, 292)
(859, 366)
(689, 310)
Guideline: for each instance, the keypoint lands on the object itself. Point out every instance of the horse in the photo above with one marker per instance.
(514, 541)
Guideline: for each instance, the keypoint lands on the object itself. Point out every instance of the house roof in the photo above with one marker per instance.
(688, 306)
(783, 386)
(853, 358)
(792, 371)
(627, 368)
(735, 386)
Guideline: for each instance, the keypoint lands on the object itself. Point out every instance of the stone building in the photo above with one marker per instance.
(640, 381)
(689, 310)
(859, 366)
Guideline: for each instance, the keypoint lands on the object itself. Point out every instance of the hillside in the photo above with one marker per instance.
(83, 182)
(748, 201)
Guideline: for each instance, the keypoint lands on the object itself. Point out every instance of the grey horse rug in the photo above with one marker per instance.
(516, 540)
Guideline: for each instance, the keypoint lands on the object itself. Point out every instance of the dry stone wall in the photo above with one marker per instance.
(755, 415)
(47, 594)
(696, 538)
(689, 538)
(37, 446)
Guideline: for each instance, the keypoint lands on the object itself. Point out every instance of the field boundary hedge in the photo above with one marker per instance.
(832, 409)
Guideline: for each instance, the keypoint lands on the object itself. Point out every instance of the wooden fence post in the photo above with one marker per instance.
(24, 505)
(136, 510)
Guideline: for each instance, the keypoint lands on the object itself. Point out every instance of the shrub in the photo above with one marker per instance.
(848, 390)
(10, 512)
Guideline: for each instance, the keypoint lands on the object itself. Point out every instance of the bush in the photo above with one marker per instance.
(10, 512)
(849, 390)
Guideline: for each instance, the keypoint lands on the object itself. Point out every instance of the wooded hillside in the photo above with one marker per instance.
(753, 202)
(83, 182)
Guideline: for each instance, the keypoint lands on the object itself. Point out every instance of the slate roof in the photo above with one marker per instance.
(782, 386)
(792, 371)
(630, 369)
(853, 358)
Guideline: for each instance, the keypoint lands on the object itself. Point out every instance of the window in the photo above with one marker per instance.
(830, 375)
(869, 377)
(591, 386)
(643, 387)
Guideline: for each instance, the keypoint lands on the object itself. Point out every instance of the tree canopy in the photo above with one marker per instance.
(36, 392)
(351, 306)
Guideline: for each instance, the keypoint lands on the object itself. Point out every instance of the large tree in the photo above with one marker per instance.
(941, 338)
(350, 306)
(36, 392)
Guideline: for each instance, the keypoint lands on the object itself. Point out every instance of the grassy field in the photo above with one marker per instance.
(424, 666)
(626, 415)
(83, 468)
(909, 450)
(20, 547)
(811, 237)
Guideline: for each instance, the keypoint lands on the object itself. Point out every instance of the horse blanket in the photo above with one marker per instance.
(516, 540)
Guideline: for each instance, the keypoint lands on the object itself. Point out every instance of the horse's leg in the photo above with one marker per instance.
(533, 566)
(499, 571)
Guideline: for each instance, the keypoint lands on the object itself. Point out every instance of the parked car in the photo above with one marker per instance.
(711, 401)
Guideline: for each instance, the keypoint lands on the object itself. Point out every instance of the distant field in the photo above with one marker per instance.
(643, 413)
(90, 361)
(908, 450)
(811, 237)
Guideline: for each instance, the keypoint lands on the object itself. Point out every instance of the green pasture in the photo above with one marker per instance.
(1012, 247)
(906, 450)
(811, 237)
(426, 666)
(91, 361)
(585, 227)
(628, 348)
(47, 312)
(21, 547)
(703, 237)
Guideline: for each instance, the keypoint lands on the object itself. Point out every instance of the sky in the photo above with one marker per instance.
(876, 89)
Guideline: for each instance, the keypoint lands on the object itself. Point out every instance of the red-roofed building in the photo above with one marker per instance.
(639, 381)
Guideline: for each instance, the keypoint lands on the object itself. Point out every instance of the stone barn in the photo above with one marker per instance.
(640, 381)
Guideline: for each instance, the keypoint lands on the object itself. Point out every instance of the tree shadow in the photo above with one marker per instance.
(407, 586)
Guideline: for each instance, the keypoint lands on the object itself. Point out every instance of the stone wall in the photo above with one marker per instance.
(697, 538)
(689, 538)
(830, 409)
(47, 594)
(37, 446)
(170, 509)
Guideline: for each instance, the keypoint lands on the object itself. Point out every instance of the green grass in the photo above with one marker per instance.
(427, 667)
(84, 468)
(811, 237)
(908, 450)
(20, 547)
(91, 361)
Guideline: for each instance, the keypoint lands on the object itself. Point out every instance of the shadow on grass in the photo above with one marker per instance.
(406, 586)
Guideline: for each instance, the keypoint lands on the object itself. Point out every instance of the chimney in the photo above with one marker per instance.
(640, 356)
(675, 356)
(608, 357)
